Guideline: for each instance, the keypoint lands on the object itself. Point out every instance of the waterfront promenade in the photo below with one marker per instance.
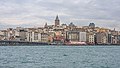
(21, 43)
(25, 43)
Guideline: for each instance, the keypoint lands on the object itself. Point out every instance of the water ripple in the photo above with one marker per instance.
(59, 57)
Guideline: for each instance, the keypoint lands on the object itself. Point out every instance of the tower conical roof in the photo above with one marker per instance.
(57, 18)
(45, 25)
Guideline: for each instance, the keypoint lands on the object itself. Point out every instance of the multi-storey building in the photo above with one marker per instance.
(102, 38)
(76, 36)
(20, 34)
(82, 37)
(10, 34)
(44, 37)
(35, 36)
(90, 38)
(72, 35)
(3, 34)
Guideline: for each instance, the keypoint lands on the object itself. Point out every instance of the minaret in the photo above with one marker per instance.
(57, 21)
(114, 29)
(45, 25)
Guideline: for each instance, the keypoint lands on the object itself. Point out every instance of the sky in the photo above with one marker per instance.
(35, 13)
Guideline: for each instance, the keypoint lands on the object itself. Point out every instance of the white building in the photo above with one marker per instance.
(44, 37)
(90, 38)
(82, 37)
(35, 36)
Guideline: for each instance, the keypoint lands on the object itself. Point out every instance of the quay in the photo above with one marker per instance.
(25, 43)
(20, 43)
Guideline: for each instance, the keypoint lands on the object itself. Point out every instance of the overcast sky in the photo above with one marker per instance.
(27, 13)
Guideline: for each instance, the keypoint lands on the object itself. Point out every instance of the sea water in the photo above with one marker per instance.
(59, 56)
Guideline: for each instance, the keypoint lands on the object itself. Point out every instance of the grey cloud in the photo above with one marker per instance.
(92, 10)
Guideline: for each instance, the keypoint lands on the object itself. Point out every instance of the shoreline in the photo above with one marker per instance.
(52, 45)
(24, 43)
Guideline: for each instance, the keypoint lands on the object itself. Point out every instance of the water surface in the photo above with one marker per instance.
(59, 56)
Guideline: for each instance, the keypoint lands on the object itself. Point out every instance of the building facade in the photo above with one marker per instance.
(76, 36)
(102, 38)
